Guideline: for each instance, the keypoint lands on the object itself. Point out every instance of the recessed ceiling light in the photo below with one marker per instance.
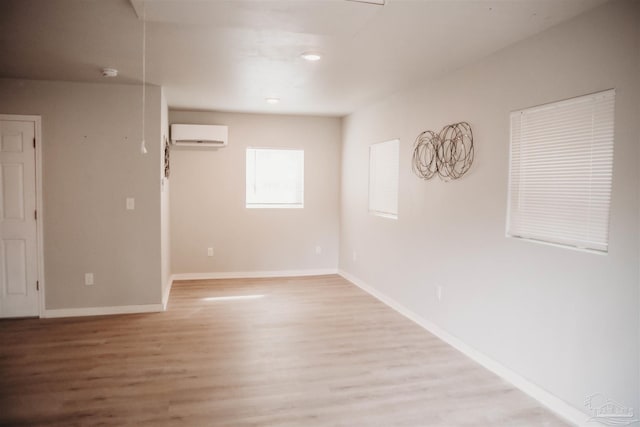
(311, 56)
(272, 100)
(109, 72)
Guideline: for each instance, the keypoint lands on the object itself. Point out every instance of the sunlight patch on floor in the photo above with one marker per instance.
(233, 298)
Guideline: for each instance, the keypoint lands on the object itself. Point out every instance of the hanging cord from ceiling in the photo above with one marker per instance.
(143, 145)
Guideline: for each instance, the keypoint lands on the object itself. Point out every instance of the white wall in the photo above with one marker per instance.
(565, 320)
(208, 198)
(91, 164)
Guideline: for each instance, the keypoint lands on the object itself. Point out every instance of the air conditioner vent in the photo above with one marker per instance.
(204, 136)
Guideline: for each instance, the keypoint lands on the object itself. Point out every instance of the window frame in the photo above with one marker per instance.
(278, 205)
(392, 213)
(604, 157)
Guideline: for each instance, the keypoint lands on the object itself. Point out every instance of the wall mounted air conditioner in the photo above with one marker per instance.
(212, 136)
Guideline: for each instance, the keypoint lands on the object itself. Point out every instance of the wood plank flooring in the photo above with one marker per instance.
(313, 351)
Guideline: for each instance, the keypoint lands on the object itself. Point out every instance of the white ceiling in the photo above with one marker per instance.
(230, 55)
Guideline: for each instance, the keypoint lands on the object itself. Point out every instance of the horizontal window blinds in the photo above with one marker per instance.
(383, 178)
(561, 172)
(275, 178)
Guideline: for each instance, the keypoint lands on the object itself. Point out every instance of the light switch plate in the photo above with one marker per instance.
(131, 203)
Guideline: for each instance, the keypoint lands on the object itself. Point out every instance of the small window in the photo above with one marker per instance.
(275, 178)
(383, 178)
(561, 172)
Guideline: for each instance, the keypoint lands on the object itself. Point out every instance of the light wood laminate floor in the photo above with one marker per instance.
(313, 351)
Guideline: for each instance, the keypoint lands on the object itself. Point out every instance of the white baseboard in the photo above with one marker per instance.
(253, 274)
(166, 291)
(101, 311)
(554, 403)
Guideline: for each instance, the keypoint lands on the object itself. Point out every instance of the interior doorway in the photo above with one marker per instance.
(21, 284)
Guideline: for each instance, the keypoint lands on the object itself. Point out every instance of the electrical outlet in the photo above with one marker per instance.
(88, 279)
(318, 250)
(209, 251)
(439, 292)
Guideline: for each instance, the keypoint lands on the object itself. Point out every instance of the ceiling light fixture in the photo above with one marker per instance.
(311, 56)
(109, 72)
(272, 101)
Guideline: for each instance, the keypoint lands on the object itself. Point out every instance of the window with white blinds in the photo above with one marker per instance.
(383, 178)
(561, 172)
(275, 178)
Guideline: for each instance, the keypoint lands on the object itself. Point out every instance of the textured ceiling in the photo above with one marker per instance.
(230, 55)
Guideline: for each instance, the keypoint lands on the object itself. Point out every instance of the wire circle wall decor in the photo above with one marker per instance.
(167, 154)
(449, 153)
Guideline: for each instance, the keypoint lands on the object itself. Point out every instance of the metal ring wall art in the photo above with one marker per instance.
(448, 153)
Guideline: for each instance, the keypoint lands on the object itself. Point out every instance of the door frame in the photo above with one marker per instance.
(37, 124)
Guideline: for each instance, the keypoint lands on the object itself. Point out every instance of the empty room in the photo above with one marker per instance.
(320, 213)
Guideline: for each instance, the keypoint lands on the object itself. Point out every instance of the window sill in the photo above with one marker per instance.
(274, 206)
(558, 245)
(384, 214)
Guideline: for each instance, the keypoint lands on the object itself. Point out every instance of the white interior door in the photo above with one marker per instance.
(18, 231)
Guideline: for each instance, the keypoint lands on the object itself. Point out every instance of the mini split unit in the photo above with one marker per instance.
(205, 136)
